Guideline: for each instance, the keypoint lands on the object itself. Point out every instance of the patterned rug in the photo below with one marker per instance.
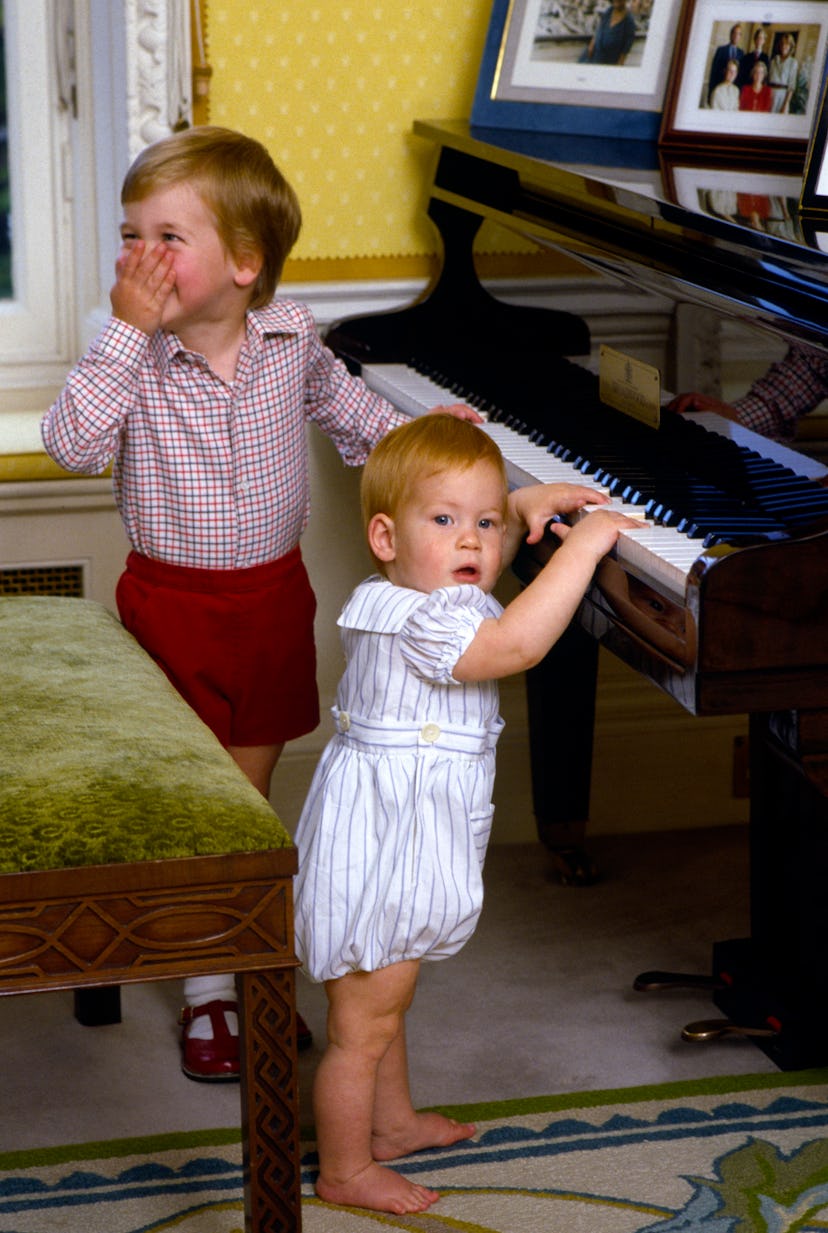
(739, 1155)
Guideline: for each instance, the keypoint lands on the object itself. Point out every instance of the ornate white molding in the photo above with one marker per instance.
(158, 69)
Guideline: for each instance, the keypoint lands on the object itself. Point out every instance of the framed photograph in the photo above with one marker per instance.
(765, 201)
(814, 197)
(592, 67)
(746, 76)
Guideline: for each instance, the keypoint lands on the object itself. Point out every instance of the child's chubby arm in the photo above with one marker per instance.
(81, 431)
(537, 617)
(530, 510)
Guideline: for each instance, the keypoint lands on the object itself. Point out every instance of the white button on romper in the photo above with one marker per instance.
(393, 834)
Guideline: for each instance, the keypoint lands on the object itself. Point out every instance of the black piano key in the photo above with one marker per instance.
(805, 518)
(796, 501)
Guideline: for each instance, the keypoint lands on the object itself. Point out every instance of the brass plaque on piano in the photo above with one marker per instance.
(630, 386)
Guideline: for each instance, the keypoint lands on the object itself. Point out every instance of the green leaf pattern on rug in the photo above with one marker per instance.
(759, 1190)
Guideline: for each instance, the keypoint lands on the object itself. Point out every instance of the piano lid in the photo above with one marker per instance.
(728, 237)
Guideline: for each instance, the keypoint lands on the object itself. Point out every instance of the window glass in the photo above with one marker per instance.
(5, 235)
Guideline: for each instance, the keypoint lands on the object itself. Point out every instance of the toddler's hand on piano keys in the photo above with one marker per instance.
(537, 504)
(597, 532)
(460, 411)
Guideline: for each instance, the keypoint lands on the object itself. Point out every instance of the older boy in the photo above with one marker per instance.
(200, 387)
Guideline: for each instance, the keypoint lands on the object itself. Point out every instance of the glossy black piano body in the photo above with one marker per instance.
(749, 634)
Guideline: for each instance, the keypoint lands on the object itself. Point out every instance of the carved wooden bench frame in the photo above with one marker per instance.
(96, 926)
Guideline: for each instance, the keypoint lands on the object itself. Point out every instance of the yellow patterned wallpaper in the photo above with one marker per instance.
(332, 89)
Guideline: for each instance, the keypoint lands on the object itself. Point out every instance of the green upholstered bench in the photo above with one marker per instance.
(132, 848)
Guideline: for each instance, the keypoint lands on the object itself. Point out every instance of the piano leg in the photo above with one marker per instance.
(773, 985)
(779, 976)
(561, 754)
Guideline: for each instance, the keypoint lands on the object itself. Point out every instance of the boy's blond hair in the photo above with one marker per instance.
(256, 210)
(417, 450)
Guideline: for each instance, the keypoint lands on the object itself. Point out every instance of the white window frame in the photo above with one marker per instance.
(35, 327)
(123, 71)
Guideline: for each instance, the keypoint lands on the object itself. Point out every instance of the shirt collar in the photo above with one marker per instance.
(278, 317)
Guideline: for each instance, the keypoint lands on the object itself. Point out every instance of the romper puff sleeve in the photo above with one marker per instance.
(440, 629)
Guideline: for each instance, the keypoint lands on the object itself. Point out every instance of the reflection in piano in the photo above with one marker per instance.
(722, 597)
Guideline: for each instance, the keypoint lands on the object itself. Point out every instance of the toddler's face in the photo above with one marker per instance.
(206, 275)
(450, 531)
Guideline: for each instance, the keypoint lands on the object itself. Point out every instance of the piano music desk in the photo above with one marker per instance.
(134, 849)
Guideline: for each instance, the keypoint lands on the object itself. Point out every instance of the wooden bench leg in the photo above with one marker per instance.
(269, 1101)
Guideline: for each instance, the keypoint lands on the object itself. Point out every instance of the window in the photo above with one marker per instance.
(5, 239)
(35, 311)
(85, 85)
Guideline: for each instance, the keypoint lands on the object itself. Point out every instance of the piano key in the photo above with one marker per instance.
(408, 390)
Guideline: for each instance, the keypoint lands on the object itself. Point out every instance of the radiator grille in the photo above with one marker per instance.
(63, 579)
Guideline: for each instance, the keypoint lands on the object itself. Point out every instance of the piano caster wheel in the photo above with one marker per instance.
(656, 981)
(705, 1030)
(573, 867)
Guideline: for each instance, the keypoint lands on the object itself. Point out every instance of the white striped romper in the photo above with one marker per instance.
(393, 834)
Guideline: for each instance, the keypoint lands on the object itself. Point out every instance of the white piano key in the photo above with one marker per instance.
(407, 389)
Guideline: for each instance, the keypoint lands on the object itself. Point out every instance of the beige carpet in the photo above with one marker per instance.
(540, 1001)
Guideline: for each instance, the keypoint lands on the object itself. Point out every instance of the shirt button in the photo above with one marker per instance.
(430, 732)
(343, 721)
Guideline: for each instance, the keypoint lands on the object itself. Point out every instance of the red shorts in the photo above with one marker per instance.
(236, 644)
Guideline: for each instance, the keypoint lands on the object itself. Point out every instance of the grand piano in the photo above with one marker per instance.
(722, 598)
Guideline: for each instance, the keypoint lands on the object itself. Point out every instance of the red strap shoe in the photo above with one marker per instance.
(210, 1061)
(217, 1060)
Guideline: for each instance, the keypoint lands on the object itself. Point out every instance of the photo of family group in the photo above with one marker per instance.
(761, 68)
(746, 75)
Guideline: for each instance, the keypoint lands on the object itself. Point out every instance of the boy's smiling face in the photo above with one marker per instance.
(209, 282)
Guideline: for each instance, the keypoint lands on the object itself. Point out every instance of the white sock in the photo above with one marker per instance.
(198, 991)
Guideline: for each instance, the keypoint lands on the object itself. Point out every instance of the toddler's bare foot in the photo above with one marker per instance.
(379, 1189)
(424, 1130)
